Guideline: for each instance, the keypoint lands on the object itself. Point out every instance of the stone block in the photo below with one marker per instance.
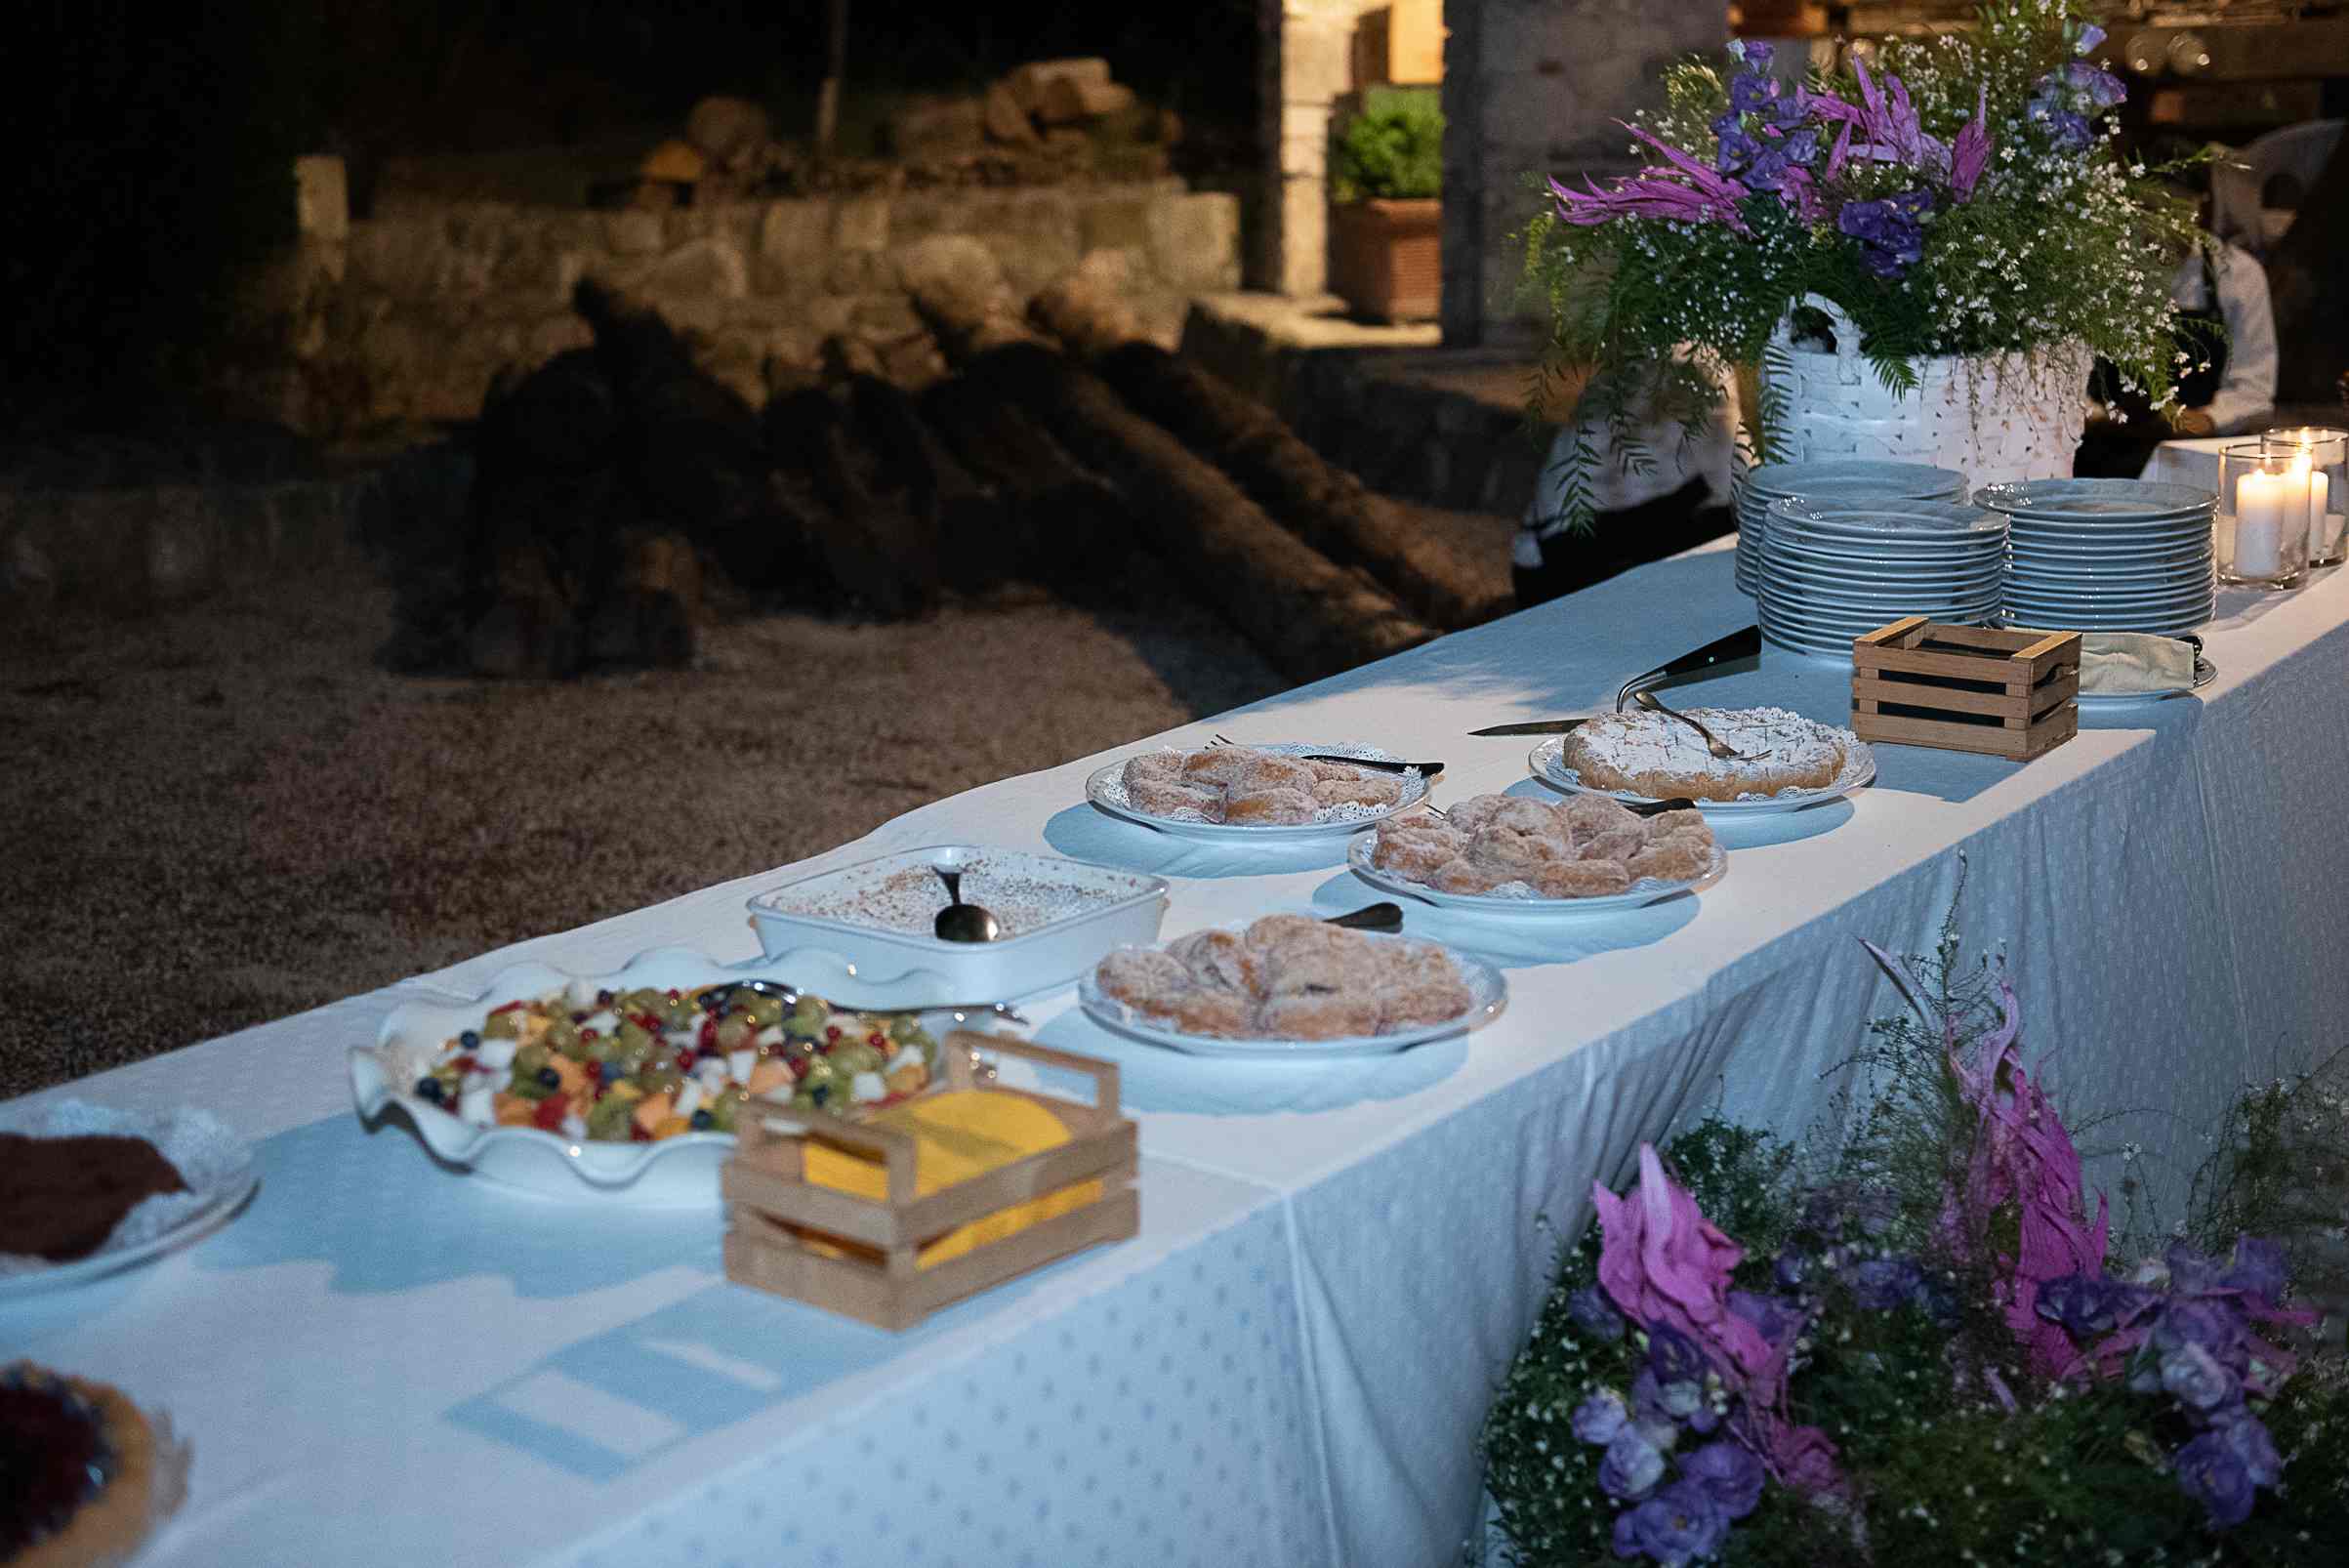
(794, 239)
(1317, 57)
(699, 270)
(1195, 241)
(632, 232)
(851, 272)
(1121, 223)
(879, 317)
(322, 199)
(401, 256)
(861, 223)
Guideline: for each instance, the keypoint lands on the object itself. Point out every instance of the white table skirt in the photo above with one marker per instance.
(2165, 883)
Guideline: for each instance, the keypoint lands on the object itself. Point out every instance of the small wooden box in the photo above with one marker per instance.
(1968, 688)
(765, 1184)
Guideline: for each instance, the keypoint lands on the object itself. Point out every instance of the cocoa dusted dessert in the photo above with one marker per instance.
(82, 1477)
(62, 1197)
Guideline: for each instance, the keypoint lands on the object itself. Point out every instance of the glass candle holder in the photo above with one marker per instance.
(2327, 453)
(2264, 495)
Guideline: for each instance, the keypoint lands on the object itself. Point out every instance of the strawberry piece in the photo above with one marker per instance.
(551, 1112)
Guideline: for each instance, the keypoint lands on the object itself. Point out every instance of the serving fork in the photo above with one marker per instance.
(1719, 748)
(1377, 764)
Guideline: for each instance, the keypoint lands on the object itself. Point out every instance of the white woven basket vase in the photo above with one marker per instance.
(1994, 420)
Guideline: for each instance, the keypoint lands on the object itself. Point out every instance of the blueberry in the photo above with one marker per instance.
(820, 1093)
(469, 1038)
(428, 1088)
(603, 998)
(550, 1078)
(703, 1121)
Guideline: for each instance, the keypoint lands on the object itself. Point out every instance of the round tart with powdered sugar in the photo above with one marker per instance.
(1789, 760)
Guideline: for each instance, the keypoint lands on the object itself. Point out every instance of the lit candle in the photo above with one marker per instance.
(2265, 504)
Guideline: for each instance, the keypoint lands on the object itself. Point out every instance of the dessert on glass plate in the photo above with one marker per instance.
(1286, 789)
(1510, 854)
(89, 1476)
(86, 1189)
(1783, 760)
(1290, 983)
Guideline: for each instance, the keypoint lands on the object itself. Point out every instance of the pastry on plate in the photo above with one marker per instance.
(1240, 784)
(1286, 977)
(1586, 846)
(1656, 756)
(90, 1476)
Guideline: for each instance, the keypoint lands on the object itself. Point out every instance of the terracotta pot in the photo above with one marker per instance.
(1385, 258)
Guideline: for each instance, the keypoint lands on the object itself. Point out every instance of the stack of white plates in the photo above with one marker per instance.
(1841, 479)
(1836, 571)
(2107, 554)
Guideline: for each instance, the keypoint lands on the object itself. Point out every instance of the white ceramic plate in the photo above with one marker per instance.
(1548, 761)
(677, 1173)
(2204, 672)
(1647, 890)
(1488, 994)
(2117, 576)
(2176, 599)
(1106, 790)
(2092, 498)
(2177, 531)
(216, 1164)
(2158, 624)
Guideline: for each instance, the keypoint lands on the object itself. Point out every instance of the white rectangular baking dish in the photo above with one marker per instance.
(814, 941)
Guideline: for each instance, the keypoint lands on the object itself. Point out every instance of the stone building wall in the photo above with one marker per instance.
(1537, 85)
(406, 315)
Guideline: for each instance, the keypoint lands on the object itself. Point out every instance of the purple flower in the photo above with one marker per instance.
(1677, 1525)
(1601, 1417)
(2068, 130)
(1737, 149)
(1730, 1472)
(2091, 1305)
(1891, 237)
(2196, 1380)
(1969, 154)
(1589, 1311)
(1669, 1402)
(1791, 1268)
(2191, 1273)
(2210, 1322)
(1755, 53)
(1774, 163)
(2213, 1474)
(1632, 1467)
(2259, 1269)
(1751, 93)
(1673, 1355)
(2090, 35)
(2248, 1440)
(1881, 1284)
(2095, 86)
(1775, 1318)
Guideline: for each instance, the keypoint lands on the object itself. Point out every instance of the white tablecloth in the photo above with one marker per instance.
(2165, 885)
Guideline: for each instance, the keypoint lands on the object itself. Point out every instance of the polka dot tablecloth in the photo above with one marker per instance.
(1290, 1365)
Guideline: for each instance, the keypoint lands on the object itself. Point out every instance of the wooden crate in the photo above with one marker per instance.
(1968, 688)
(773, 1201)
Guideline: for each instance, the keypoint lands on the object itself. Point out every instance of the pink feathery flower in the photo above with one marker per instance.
(1969, 156)
(2024, 1158)
(1686, 191)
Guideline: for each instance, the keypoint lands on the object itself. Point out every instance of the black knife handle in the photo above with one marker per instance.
(1745, 644)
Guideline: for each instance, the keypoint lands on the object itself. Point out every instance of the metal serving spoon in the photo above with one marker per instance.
(715, 998)
(958, 922)
(1726, 752)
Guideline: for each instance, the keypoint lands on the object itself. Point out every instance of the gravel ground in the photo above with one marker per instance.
(230, 812)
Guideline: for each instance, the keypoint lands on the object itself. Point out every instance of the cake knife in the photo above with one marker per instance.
(1745, 644)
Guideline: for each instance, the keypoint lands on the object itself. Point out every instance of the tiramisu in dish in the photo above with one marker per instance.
(1286, 977)
(1587, 847)
(1656, 756)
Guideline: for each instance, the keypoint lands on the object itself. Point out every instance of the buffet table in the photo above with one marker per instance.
(1290, 1363)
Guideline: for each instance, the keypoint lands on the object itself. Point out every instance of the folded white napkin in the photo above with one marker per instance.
(2118, 662)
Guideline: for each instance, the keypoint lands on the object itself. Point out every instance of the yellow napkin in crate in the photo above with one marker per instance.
(958, 1135)
(2115, 663)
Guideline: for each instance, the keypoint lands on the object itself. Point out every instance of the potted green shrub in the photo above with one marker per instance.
(1387, 174)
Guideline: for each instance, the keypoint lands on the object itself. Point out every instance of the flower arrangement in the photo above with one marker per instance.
(1963, 197)
(1923, 1347)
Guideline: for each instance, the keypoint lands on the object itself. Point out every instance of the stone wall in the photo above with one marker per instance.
(407, 315)
(1537, 85)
